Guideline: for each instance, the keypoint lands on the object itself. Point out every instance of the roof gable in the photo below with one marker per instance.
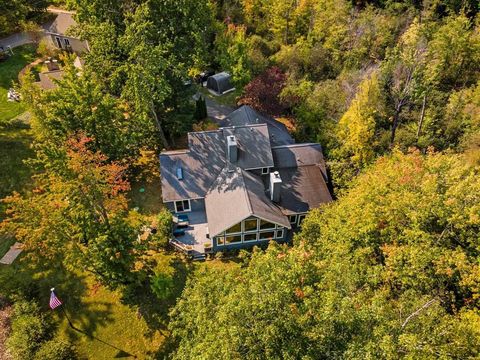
(236, 195)
(62, 23)
(245, 115)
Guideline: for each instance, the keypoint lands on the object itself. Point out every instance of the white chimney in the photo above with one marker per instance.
(232, 148)
(275, 185)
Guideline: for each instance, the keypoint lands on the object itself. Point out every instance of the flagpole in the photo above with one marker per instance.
(68, 319)
(62, 306)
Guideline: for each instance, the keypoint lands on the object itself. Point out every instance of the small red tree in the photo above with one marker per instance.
(262, 93)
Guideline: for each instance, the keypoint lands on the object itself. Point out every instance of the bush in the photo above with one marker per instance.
(56, 349)
(29, 330)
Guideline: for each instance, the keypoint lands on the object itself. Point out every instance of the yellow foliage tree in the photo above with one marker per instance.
(356, 128)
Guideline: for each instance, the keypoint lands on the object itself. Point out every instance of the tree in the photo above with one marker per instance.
(404, 69)
(385, 272)
(77, 214)
(357, 129)
(232, 53)
(453, 54)
(263, 92)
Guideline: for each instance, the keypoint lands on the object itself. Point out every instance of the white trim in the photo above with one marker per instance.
(250, 233)
(258, 217)
(294, 221)
(262, 232)
(302, 216)
(183, 211)
(58, 41)
(278, 231)
(267, 172)
(259, 168)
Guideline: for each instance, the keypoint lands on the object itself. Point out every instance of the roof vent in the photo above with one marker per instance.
(275, 186)
(179, 173)
(232, 148)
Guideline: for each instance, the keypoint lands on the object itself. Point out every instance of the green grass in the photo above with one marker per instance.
(107, 327)
(150, 200)
(9, 70)
(15, 142)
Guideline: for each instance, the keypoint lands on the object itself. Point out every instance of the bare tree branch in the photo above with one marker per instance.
(418, 311)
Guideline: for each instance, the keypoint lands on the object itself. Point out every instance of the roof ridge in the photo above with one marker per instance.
(295, 145)
(247, 195)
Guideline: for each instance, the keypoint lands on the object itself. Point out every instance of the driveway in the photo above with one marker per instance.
(216, 111)
(22, 38)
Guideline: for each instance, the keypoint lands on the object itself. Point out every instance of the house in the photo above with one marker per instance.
(59, 36)
(220, 83)
(48, 79)
(240, 185)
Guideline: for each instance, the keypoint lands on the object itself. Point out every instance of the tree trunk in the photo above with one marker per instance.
(422, 116)
(159, 125)
(396, 120)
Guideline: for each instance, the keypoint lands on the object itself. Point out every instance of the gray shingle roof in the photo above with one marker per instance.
(236, 195)
(245, 115)
(303, 173)
(206, 157)
(303, 188)
(299, 155)
(62, 23)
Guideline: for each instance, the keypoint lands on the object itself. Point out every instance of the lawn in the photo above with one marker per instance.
(15, 142)
(9, 70)
(108, 328)
(147, 197)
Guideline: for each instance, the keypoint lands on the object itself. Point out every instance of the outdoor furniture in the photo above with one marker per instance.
(178, 232)
(182, 220)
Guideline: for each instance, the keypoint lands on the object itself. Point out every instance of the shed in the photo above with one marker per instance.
(220, 83)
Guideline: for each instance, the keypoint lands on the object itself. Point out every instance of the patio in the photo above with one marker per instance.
(195, 233)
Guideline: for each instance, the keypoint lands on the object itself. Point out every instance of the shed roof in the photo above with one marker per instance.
(235, 196)
(220, 82)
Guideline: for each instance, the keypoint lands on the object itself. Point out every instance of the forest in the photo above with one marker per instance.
(389, 88)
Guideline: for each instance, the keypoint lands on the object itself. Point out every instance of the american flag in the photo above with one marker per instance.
(54, 301)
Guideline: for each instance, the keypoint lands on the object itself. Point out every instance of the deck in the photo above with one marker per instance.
(196, 233)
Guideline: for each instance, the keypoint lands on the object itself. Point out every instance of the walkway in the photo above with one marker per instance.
(216, 111)
(12, 254)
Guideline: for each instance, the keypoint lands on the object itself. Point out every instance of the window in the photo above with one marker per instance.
(250, 237)
(268, 235)
(265, 171)
(292, 219)
(220, 240)
(235, 229)
(66, 41)
(250, 225)
(182, 206)
(233, 239)
(279, 234)
(265, 225)
(59, 42)
(300, 219)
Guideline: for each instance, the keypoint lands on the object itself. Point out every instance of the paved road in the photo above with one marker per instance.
(216, 111)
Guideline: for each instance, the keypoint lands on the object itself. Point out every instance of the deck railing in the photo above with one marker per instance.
(187, 249)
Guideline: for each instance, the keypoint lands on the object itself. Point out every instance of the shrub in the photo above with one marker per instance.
(56, 349)
(29, 330)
